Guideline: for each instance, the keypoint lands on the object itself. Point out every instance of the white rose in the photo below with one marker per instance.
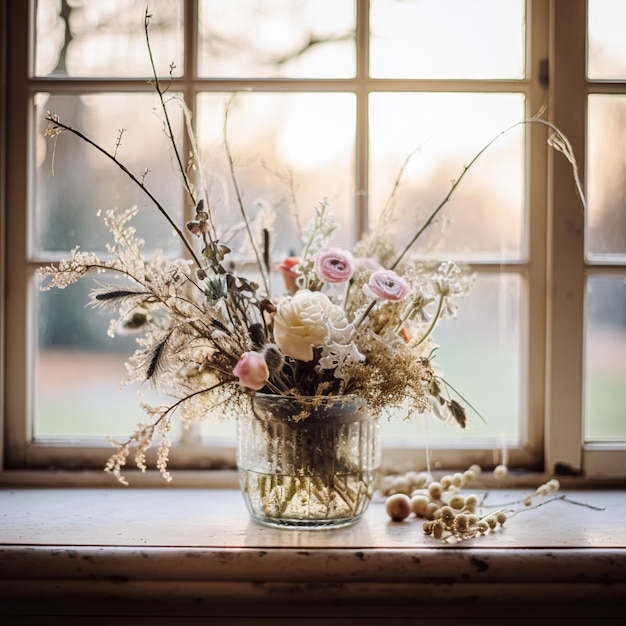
(302, 323)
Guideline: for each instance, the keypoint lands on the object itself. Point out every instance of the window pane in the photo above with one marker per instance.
(606, 172)
(75, 182)
(78, 370)
(443, 132)
(606, 43)
(277, 38)
(447, 39)
(95, 38)
(605, 359)
(304, 138)
(480, 355)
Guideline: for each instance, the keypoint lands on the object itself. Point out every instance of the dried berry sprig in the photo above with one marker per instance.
(451, 516)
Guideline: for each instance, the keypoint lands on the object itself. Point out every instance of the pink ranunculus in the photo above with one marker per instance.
(386, 285)
(252, 370)
(334, 265)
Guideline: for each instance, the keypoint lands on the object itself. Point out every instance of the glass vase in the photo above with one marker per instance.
(306, 465)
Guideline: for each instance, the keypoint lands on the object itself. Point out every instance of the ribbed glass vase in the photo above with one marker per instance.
(307, 466)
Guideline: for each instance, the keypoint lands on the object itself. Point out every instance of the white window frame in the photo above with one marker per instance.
(555, 270)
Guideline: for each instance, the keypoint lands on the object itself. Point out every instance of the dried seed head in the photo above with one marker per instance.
(500, 471)
(429, 513)
(438, 530)
(471, 502)
(458, 480)
(501, 517)
(469, 476)
(457, 501)
(400, 484)
(447, 515)
(414, 479)
(273, 357)
(475, 469)
(423, 479)
(398, 506)
(436, 490)
(553, 485)
(418, 504)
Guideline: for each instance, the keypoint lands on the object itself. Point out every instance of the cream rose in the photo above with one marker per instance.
(302, 323)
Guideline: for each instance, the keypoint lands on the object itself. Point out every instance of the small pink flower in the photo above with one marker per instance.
(334, 265)
(386, 285)
(286, 268)
(252, 370)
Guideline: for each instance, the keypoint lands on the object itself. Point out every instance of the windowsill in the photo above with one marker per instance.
(197, 549)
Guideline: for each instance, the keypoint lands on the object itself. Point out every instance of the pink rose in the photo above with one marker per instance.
(252, 370)
(386, 285)
(334, 265)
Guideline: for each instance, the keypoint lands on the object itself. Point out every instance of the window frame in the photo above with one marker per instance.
(553, 271)
(569, 267)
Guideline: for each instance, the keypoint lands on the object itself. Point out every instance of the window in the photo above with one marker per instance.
(337, 95)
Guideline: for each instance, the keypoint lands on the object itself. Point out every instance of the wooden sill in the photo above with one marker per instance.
(190, 551)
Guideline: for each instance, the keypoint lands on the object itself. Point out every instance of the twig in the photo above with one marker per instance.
(559, 142)
(160, 93)
(52, 119)
(455, 184)
(244, 215)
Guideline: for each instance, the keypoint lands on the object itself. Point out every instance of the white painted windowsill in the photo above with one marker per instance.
(196, 552)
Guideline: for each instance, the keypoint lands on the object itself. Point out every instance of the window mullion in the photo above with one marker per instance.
(566, 244)
(191, 436)
(361, 147)
(535, 227)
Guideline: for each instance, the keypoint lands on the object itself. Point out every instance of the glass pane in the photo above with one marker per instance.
(480, 355)
(95, 38)
(277, 38)
(442, 132)
(605, 359)
(606, 172)
(75, 182)
(447, 39)
(302, 152)
(606, 47)
(78, 370)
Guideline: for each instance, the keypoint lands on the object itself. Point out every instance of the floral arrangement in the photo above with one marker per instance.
(350, 322)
